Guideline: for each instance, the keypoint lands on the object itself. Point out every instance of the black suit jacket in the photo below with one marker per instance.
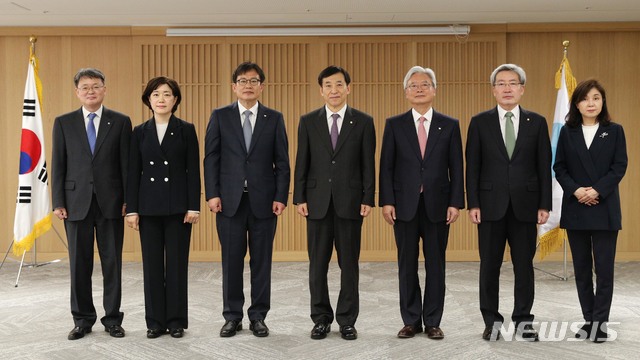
(76, 173)
(602, 167)
(346, 175)
(265, 166)
(164, 179)
(403, 170)
(494, 181)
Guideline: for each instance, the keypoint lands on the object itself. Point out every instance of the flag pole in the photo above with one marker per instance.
(565, 276)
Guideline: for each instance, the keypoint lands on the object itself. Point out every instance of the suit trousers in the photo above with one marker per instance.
(235, 233)
(589, 249)
(413, 309)
(109, 237)
(165, 264)
(321, 235)
(492, 238)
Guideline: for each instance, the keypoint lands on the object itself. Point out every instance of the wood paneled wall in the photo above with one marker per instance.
(377, 65)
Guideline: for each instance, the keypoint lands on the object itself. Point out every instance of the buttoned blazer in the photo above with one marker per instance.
(76, 173)
(164, 178)
(228, 162)
(494, 181)
(345, 175)
(403, 170)
(601, 166)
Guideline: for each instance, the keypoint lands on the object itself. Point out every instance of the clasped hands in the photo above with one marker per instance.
(587, 195)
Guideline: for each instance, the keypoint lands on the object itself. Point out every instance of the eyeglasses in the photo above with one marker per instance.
(421, 86)
(504, 85)
(244, 82)
(86, 89)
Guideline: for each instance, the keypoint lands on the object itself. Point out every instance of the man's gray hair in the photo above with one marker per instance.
(88, 73)
(509, 67)
(420, 70)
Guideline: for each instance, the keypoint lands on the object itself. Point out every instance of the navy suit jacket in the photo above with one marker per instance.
(164, 179)
(601, 166)
(265, 166)
(346, 174)
(403, 170)
(77, 174)
(494, 180)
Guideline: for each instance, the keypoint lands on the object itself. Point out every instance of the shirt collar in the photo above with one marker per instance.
(98, 112)
(515, 111)
(341, 112)
(416, 115)
(254, 109)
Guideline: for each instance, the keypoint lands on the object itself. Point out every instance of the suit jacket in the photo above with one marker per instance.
(494, 180)
(164, 179)
(403, 170)
(345, 175)
(77, 174)
(265, 166)
(601, 166)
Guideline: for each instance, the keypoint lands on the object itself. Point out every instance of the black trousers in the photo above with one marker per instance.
(235, 233)
(492, 237)
(589, 249)
(165, 265)
(321, 236)
(413, 308)
(109, 237)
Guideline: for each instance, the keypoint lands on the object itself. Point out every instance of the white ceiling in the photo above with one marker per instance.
(308, 12)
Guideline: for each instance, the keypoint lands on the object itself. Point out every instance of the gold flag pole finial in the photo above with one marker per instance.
(565, 44)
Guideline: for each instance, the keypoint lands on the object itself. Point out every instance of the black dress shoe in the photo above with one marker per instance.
(584, 332)
(320, 330)
(230, 328)
(527, 332)
(600, 337)
(78, 332)
(491, 334)
(259, 328)
(115, 331)
(409, 331)
(176, 332)
(348, 332)
(154, 333)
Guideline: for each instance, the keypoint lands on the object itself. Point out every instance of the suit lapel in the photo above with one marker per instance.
(173, 130)
(409, 127)
(600, 140)
(434, 134)
(577, 138)
(81, 129)
(525, 128)
(106, 123)
(261, 122)
(236, 124)
(493, 125)
(319, 124)
(151, 136)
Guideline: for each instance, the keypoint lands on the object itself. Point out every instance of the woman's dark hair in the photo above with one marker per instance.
(574, 117)
(155, 83)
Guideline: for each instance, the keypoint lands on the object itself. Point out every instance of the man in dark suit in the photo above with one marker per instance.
(334, 187)
(246, 174)
(89, 171)
(421, 192)
(508, 191)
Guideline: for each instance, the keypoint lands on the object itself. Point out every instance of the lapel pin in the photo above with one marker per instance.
(604, 134)
(439, 128)
(351, 122)
(171, 134)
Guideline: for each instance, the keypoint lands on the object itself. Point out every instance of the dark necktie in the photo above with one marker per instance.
(91, 132)
(334, 130)
(509, 133)
(246, 128)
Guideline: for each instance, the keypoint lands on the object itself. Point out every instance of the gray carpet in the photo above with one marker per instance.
(35, 318)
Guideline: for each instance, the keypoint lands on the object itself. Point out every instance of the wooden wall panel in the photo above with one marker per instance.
(203, 67)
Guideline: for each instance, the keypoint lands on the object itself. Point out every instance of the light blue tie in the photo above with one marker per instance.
(246, 128)
(91, 132)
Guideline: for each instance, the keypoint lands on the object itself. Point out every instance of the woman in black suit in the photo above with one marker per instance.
(163, 200)
(591, 160)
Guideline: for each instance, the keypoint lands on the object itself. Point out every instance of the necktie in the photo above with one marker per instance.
(91, 132)
(246, 128)
(509, 134)
(422, 135)
(334, 130)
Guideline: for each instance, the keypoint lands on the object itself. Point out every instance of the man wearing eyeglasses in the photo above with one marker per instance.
(89, 172)
(421, 192)
(508, 192)
(246, 177)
